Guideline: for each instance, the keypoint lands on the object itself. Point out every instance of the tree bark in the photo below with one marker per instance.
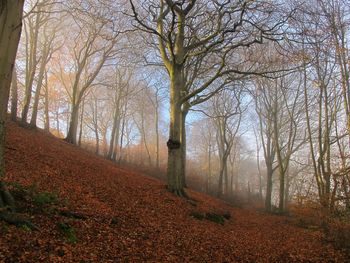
(184, 113)
(175, 158)
(73, 125)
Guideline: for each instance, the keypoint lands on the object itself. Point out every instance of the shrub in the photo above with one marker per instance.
(45, 198)
(68, 231)
(337, 230)
(197, 215)
(218, 219)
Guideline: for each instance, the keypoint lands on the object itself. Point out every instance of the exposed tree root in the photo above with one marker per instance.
(71, 214)
(179, 192)
(14, 219)
(6, 198)
(7, 210)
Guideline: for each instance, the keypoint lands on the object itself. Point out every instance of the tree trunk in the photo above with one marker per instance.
(268, 196)
(144, 139)
(14, 95)
(281, 191)
(10, 31)
(116, 142)
(104, 142)
(287, 189)
(96, 130)
(175, 154)
(36, 102)
(207, 185)
(81, 123)
(97, 138)
(223, 176)
(184, 143)
(33, 44)
(226, 177)
(115, 127)
(57, 122)
(47, 117)
(122, 131)
(156, 117)
(38, 88)
(73, 125)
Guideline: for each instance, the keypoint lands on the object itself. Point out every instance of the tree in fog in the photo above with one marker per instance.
(226, 111)
(95, 38)
(201, 43)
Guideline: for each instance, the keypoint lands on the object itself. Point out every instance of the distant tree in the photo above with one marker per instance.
(95, 37)
(14, 95)
(226, 110)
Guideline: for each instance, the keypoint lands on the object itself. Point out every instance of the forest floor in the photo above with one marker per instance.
(89, 210)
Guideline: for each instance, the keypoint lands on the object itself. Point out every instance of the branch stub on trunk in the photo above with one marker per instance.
(172, 145)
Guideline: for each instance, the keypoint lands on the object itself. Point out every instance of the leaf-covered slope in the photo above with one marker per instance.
(129, 217)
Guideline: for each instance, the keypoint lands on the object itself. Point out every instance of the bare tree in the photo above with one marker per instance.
(264, 109)
(33, 24)
(89, 56)
(47, 45)
(121, 89)
(226, 111)
(191, 34)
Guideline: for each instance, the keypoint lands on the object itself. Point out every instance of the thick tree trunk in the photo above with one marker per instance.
(10, 31)
(175, 154)
(14, 95)
(73, 125)
(223, 176)
(184, 143)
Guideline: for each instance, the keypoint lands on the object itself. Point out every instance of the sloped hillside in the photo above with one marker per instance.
(107, 214)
